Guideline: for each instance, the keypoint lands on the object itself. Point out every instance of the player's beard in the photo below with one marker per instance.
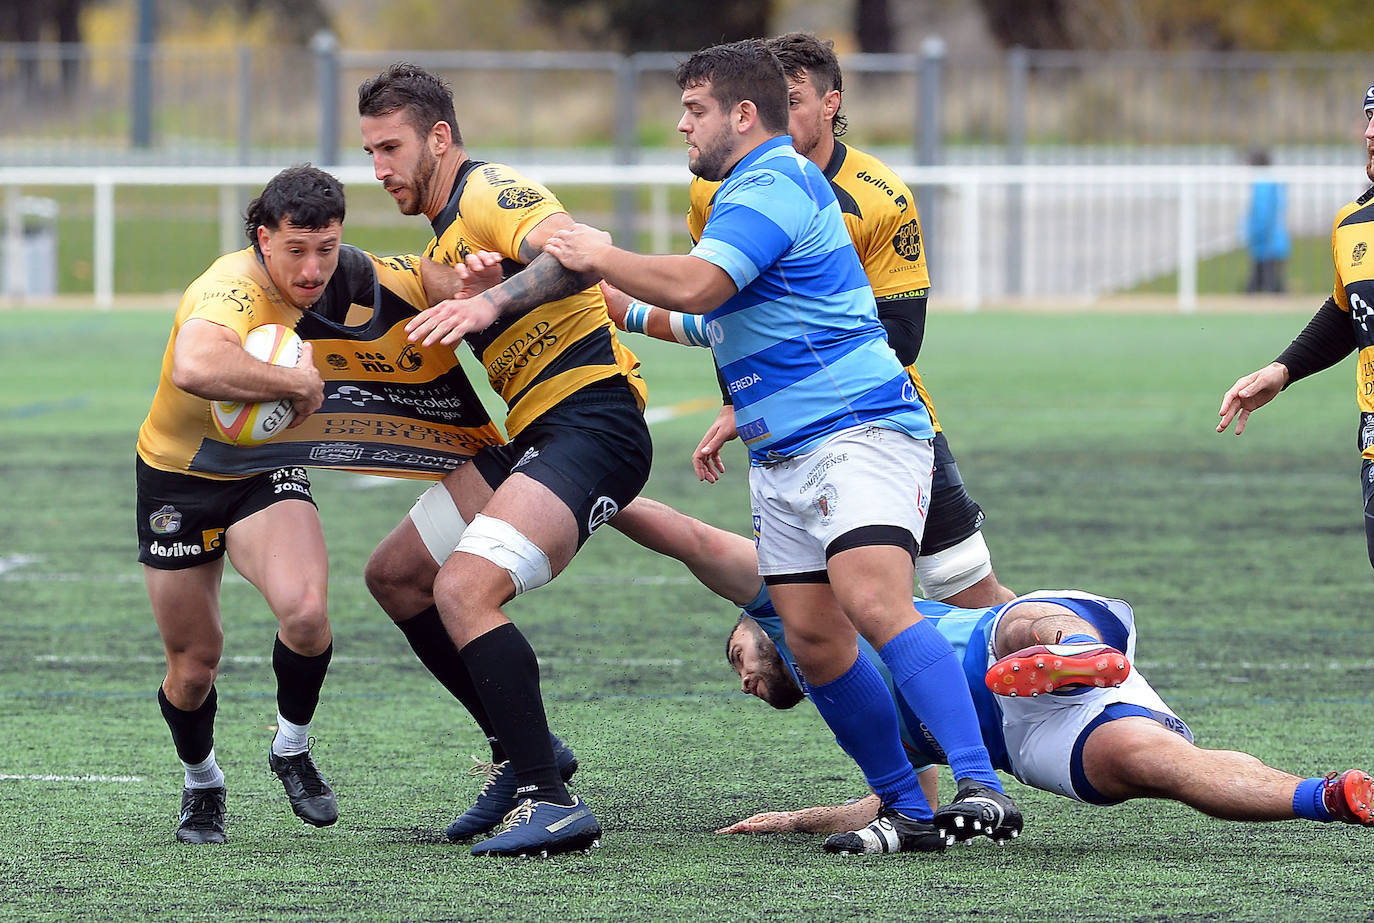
(425, 167)
(1369, 162)
(711, 162)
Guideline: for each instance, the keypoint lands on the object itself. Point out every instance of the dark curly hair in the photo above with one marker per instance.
(303, 196)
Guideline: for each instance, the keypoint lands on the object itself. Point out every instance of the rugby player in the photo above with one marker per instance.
(954, 564)
(511, 521)
(1082, 722)
(190, 518)
(1342, 325)
(840, 444)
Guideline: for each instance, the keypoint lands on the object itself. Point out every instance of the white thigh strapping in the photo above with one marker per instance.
(955, 569)
(503, 545)
(438, 521)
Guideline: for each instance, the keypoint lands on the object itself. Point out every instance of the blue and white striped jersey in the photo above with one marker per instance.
(799, 343)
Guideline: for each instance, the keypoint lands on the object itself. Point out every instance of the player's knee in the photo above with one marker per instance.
(304, 622)
(189, 679)
(391, 577)
(500, 543)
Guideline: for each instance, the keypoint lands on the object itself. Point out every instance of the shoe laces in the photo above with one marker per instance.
(492, 772)
(312, 782)
(518, 815)
(204, 806)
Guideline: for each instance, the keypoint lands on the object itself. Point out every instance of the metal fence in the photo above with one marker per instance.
(177, 105)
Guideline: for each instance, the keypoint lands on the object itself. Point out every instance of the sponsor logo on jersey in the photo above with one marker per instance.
(165, 521)
(754, 430)
(1358, 253)
(519, 197)
(358, 397)
(907, 241)
(529, 345)
(877, 182)
(603, 511)
(375, 362)
(901, 202)
(494, 178)
(211, 539)
(410, 358)
(336, 452)
(1360, 311)
(748, 381)
(909, 393)
(336, 361)
(826, 501)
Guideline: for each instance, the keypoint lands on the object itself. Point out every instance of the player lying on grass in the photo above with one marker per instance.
(1072, 717)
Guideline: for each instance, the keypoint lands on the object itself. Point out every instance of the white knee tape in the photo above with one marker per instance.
(503, 545)
(438, 521)
(947, 572)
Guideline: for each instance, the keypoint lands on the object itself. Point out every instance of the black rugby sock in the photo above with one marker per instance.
(431, 643)
(299, 680)
(506, 673)
(193, 732)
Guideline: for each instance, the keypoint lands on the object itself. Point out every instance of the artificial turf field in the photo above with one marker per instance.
(1087, 438)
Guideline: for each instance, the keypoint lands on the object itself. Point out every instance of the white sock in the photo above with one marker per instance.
(205, 774)
(291, 738)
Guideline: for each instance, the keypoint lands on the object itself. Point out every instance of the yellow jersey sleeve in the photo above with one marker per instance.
(701, 193)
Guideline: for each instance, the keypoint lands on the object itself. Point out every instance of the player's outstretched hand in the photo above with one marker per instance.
(578, 247)
(311, 394)
(766, 822)
(449, 321)
(1249, 393)
(479, 271)
(617, 304)
(706, 460)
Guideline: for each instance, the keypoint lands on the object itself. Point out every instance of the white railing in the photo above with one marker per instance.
(1061, 231)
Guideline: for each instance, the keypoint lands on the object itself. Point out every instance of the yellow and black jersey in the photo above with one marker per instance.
(537, 358)
(879, 212)
(390, 407)
(235, 292)
(1352, 255)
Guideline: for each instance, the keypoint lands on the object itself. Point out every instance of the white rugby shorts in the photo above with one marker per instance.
(863, 476)
(1041, 732)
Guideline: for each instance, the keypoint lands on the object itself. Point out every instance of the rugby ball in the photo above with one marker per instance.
(255, 423)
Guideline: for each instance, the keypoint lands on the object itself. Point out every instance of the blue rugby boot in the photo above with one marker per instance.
(543, 829)
(497, 796)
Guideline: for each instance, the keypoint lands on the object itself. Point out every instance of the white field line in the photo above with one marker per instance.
(43, 777)
(259, 660)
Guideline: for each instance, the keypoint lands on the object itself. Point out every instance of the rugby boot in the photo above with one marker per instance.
(1048, 667)
(978, 811)
(543, 829)
(202, 815)
(1349, 797)
(497, 798)
(891, 831)
(311, 797)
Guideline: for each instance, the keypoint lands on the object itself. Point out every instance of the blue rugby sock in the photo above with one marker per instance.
(861, 713)
(931, 680)
(1079, 638)
(1308, 802)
